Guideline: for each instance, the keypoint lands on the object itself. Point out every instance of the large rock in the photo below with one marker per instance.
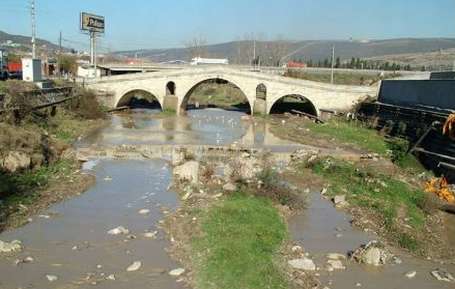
(442, 275)
(305, 264)
(189, 171)
(178, 157)
(372, 253)
(340, 201)
(15, 161)
(11, 247)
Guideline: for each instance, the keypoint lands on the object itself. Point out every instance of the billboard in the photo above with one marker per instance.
(92, 23)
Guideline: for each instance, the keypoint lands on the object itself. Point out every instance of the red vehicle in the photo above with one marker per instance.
(9, 70)
(295, 64)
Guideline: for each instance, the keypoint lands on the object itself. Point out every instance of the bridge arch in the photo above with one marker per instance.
(220, 79)
(137, 96)
(288, 102)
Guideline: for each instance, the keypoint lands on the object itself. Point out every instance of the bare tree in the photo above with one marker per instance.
(275, 50)
(196, 47)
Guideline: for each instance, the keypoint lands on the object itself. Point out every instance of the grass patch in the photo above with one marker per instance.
(345, 78)
(392, 200)
(239, 240)
(351, 132)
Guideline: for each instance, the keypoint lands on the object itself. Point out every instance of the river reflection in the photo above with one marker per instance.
(209, 126)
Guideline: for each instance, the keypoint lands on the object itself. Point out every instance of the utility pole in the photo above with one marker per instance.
(59, 60)
(32, 14)
(254, 51)
(333, 63)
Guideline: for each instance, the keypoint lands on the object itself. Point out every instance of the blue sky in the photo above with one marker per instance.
(169, 23)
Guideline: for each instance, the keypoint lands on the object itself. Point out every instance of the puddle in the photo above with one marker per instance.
(322, 229)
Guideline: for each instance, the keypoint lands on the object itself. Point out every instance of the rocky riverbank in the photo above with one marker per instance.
(38, 165)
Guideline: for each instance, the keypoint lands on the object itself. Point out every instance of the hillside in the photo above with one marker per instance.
(241, 51)
(435, 60)
(24, 42)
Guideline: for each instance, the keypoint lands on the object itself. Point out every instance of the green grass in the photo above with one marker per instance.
(22, 187)
(351, 132)
(379, 193)
(221, 95)
(237, 247)
(167, 112)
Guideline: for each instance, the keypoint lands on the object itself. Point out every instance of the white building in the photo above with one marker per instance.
(202, 61)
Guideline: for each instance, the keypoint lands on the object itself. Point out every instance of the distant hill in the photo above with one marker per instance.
(316, 50)
(24, 42)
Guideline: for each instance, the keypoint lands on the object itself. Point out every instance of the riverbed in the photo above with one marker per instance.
(70, 241)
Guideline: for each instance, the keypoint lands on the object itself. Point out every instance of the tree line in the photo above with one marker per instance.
(357, 63)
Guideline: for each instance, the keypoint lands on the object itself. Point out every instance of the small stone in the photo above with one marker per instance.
(230, 187)
(336, 264)
(144, 211)
(177, 272)
(151, 235)
(297, 249)
(119, 230)
(51, 278)
(396, 260)
(442, 275)
(186, 196)
(411, 274)
(336, 256)
(134, 267)
(358, 284)
(28, 259)
(111, 277)
(302, 264)
(99, 266)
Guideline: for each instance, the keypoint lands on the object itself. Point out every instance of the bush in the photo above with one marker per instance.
(398, 149)
(85, 104)
(273, 188)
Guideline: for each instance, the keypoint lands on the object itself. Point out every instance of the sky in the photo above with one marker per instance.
(138, 24)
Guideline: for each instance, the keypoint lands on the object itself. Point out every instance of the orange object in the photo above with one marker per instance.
(449, 126)
(440, 188)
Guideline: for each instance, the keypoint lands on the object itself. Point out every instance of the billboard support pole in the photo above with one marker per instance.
(92, 48)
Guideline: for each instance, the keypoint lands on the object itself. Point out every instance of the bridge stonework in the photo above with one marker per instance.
(322, 95)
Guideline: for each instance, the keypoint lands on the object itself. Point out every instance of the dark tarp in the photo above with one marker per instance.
(419, 93)
(443, 75)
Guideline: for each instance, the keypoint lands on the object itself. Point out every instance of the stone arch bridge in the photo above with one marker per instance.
(172, 88)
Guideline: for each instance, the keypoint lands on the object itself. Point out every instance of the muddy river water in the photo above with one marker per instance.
(70, 241)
